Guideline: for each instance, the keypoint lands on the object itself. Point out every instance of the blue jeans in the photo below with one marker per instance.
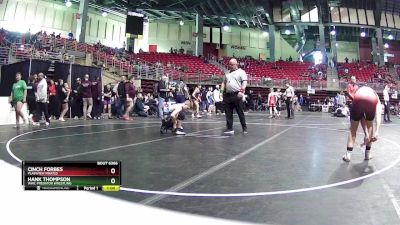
(119, 106)
(204, 105)
(161, 102)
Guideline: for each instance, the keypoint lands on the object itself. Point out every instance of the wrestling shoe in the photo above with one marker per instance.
(347, 157)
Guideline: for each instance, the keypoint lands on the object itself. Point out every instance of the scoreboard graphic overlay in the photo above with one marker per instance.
(71, 175)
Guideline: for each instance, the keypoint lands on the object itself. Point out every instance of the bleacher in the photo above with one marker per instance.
(193, 63)
(275, 70)
(197, 69)
(362, 71)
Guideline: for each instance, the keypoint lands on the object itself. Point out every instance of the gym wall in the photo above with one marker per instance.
(36, 15)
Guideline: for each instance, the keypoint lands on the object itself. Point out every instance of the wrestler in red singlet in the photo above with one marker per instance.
(272, 100)
(364, 104)
(364, 109)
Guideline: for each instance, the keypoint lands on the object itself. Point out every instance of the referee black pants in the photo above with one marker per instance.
(42, 108)
(289, 107)
(386, 112)
(233, 101)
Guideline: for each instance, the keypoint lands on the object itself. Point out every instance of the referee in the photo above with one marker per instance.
(233, 88)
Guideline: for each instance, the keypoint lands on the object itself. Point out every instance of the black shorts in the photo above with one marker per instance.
(180, 99)
(364, 105)
(181, 115)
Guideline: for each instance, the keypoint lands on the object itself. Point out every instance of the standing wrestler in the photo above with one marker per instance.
(271, 102)
(366, 106)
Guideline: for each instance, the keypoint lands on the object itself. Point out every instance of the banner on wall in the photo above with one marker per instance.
(395, 94)
(310, 90)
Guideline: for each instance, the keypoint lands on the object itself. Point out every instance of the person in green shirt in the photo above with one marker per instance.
(18, 97)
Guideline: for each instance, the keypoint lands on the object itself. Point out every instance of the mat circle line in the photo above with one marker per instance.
(227, 195)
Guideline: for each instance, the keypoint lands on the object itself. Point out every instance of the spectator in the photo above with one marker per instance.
(386, 99)
(96, 97)
(152, 103)
(196, 98)
(107, 94)
(218, 100)
(31, 99)
(181, 91)
(120, 97)
(301, 100)
(163, 93)
(204, 103)
(64, 96)
(18, 98)
(342, 111)
(210, 100)
(140, 108)
(41, 101)
(54, 105)
(130, 92)
(77, 105)
(87, 97)
(342, 99)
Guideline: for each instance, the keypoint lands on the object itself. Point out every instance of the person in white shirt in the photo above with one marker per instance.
(218, 100)
(210, 100)
(289, 93)
(41, 100)
(342, 111)
(342, 99)
(386, 102)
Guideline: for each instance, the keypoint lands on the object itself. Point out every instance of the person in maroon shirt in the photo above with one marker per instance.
(96, 96)
(130, 91)
(87, 97)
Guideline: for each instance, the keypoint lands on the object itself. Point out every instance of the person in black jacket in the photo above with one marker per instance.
(77, 105)
(163, 92)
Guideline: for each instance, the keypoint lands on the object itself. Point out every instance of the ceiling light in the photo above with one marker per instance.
(386, 45)
(363, 34)
(390, 37)
(68, 3)
(104, 14)
(226, 28)
(181, 23)
(287, 32)
(265, 34)
(333, 32)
